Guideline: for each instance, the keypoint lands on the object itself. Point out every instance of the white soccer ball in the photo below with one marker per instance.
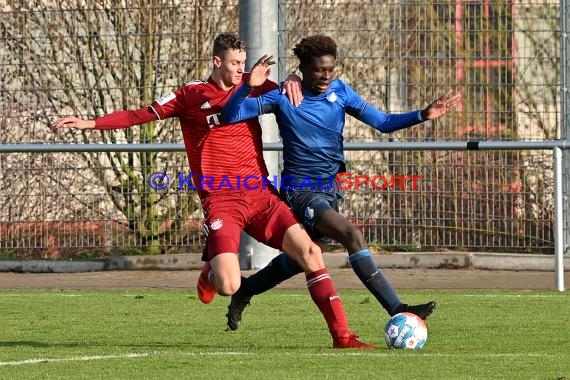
(405, 330)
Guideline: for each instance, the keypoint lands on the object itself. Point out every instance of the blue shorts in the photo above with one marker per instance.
(309, 205)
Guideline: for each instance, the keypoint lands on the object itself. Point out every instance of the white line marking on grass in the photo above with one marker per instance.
(73, 359)
(494, 295)
(20, 295)
(219, 353)
(391, 353)
(119, 356)
(380, 353)
(341, 353)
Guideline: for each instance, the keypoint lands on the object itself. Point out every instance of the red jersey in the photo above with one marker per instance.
(221, 156)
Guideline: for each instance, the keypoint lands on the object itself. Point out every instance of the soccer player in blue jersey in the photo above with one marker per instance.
(313, 155)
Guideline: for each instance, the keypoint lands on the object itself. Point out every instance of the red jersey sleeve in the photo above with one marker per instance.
(170, 105)
(125, 119)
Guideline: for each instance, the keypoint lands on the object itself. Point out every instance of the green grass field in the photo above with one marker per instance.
(171, 335)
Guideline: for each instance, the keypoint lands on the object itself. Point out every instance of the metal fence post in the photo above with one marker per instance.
(258, 25)
(558, 222)
(564, 121)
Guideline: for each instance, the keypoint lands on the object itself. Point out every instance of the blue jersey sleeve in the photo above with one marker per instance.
(377, 119)
(240, 107)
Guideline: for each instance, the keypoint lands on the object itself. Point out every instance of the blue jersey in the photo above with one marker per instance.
(312, 133)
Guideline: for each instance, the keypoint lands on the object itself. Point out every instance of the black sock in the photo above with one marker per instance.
(278, 270)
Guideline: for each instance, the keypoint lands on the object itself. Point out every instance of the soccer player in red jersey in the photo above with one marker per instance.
(225, 155)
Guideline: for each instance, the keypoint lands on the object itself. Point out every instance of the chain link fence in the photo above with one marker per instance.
(92, 58)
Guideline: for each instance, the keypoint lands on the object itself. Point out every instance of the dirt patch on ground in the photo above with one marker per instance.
(344, 279)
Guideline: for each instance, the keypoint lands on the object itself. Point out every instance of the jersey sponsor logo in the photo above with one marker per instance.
(216, 224)
(205, 106)
(165, 98)
(309, 213)
(213, 120)
(332, 97)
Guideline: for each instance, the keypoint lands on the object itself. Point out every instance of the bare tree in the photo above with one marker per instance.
(90, 61)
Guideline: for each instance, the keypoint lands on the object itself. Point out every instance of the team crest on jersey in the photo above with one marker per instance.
(332, 97)
(165, 98)
(216, 224)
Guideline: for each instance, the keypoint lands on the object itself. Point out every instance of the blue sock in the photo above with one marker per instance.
(278, 270)
(371, 276)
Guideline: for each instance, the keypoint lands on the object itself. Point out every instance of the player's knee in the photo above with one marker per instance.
(315, 250)
(227, 286)
(352, 239)
(313, 257)
(302, 249)
(352, 233)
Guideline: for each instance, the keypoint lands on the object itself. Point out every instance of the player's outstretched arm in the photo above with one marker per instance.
(73, 122)
(441, 106)
(115, 120)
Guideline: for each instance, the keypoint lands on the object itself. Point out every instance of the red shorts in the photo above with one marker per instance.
(260, 213)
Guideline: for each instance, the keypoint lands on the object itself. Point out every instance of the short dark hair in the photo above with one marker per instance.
(314, 46)
(227, 41)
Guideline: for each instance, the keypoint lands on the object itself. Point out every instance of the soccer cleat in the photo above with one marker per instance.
(235, 309)
(351, 341)
(206, 291)
(423, 311)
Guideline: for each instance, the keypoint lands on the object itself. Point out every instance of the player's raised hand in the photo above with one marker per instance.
(441, 106)
(261, 70)
(73, 122)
